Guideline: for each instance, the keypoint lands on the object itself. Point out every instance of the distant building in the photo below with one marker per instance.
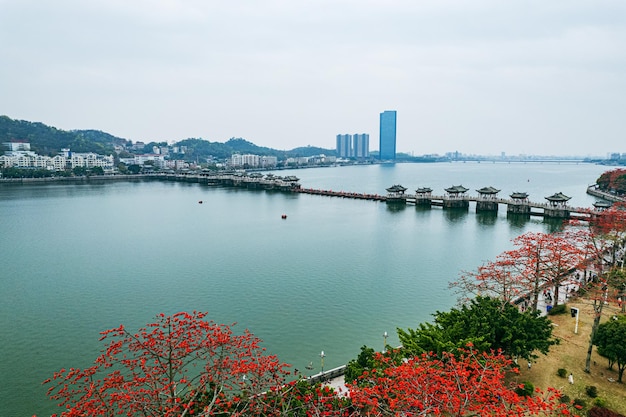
(17, 146)
(344, 146)
(361, 145)
(253, 161)
(387, 146)
(353, 146)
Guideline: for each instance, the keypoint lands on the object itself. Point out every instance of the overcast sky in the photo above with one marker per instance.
(474, 76)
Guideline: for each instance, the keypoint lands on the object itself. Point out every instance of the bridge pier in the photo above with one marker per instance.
(557, 212)
(518, 208)
(451, 203)
(486, 206)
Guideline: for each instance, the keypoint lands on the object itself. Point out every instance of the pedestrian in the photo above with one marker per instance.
(529, 364)
(571, 379)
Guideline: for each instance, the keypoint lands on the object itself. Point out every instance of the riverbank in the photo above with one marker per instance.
(594, 191)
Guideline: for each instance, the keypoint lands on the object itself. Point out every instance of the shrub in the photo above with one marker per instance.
(580, 403)
(600, 402)
(591, 391)
(562, 372)
(565, 399)
(526, 389)
(559, 309)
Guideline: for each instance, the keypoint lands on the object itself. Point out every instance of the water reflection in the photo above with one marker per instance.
(396, 207)
(487, 218)
(455, 214)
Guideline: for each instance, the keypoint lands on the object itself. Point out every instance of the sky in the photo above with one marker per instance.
(478, 77)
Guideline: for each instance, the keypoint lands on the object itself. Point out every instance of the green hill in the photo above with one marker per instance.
(47, 140)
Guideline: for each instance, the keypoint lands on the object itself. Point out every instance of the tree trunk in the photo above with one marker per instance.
(597, 307)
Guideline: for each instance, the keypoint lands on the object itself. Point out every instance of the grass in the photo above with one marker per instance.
(571, 355)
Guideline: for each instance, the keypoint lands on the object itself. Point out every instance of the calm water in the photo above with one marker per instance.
(78, 259)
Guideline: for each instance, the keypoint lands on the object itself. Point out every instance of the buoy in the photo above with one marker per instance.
(284, 216)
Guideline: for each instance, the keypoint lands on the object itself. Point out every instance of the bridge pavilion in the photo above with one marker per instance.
(395, 194)
(455, 197)
(487, 199)
(519, 204)
(423, 196)
(557, 206)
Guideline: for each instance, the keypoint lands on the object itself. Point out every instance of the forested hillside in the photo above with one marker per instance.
(47, 140)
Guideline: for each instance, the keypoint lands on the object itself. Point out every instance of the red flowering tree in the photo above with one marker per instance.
(539, 260)
(179, 365)
(448, 385)
(499, 279)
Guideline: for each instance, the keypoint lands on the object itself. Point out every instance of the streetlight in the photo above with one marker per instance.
(574, 312)
(385, 342)
(322, 356)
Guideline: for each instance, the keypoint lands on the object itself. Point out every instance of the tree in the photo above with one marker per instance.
(610, 339)
(546, 259)
(485, 323)
(179, 364)
(134, 168)
(608, 232)
(605, 234)
(499, 279)
(469, 383)
(538, 260)
(363, 362)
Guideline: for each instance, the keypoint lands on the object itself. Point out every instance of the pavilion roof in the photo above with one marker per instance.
(424, 190)
(558, 197)
(488, 190)
(455, 189)
(519, 195)
(602, 204)
(396, 189)
(291, 178)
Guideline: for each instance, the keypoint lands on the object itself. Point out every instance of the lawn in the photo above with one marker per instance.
(571, 355)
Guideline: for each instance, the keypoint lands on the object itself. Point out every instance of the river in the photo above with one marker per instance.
(77, 259)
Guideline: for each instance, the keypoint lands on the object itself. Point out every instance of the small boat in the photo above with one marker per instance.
(200, 202)
(284, 216)
(309, 366)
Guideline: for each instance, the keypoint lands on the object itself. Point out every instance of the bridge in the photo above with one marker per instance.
(455, 197)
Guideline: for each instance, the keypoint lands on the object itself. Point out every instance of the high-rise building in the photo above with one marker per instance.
(361, 145)
(387, 146)
(344, 146)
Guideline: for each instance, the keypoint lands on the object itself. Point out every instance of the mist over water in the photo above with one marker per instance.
(336, 274)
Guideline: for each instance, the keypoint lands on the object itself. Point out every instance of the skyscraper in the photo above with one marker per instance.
(361, 145)
(387, 146)
(344, 146)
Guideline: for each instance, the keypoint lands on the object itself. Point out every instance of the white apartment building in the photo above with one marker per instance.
(253, 161)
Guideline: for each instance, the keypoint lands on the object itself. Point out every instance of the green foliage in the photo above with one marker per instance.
(610, 338)
(46, 140)
(526, 389)
(565, 399)
(133, 169)
(363, 362)
(580, 402)
(599, 402)
(562, 372)
(558, 309)
(14, 172)
(485, 323)
(591, 391)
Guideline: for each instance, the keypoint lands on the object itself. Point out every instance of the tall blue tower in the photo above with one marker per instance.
(387, 146)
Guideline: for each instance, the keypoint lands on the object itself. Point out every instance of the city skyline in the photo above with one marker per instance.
(479, 77)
